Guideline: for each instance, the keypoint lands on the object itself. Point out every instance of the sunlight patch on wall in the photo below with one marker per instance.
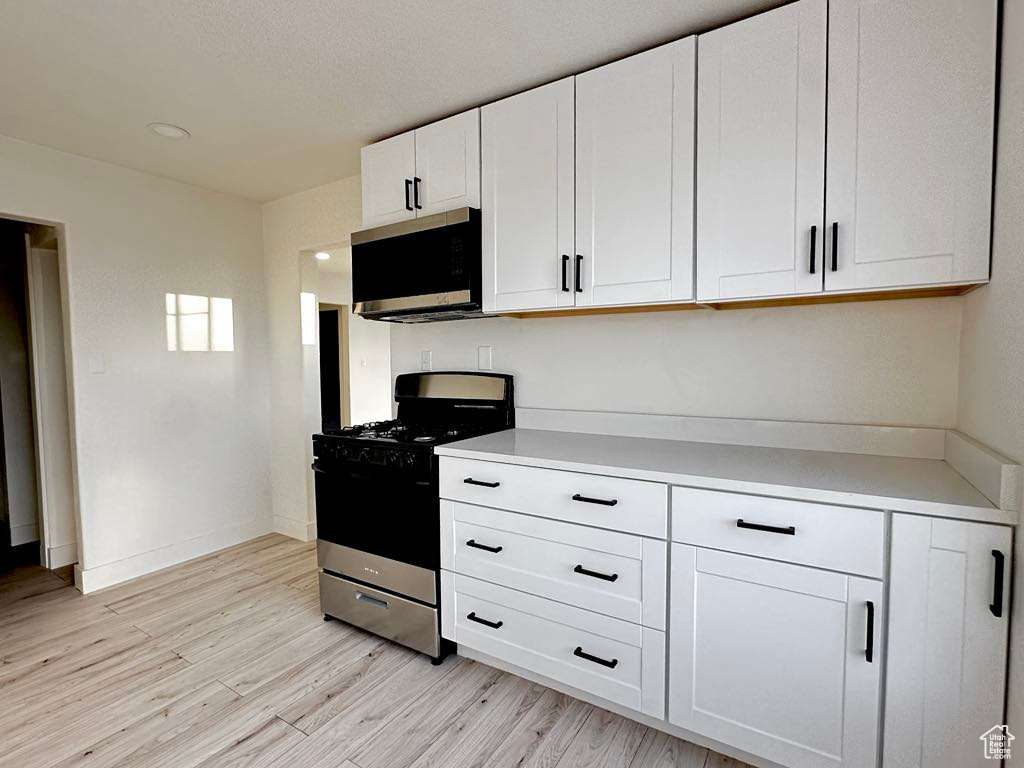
(199, 323)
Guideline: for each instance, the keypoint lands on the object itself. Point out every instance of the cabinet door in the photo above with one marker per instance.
(527, 214)
(772, 658)
(911, 93)
(448, 164)
(761, 154)
(634, 178)
(388, 168)
(947, 647)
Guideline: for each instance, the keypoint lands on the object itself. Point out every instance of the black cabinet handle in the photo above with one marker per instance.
(485, 622)
(473, 543)
(565, 273)
(588, 500)
(408, 189)
(869, 649)
(579, 273)
(416, 191)
(595, 574)
(788, 530)
(596, 659)
(835, 246)
(483, 483)
(814, 244)
(997, 586)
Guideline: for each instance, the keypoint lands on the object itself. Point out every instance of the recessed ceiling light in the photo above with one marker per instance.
(169, 131)
(322, 255)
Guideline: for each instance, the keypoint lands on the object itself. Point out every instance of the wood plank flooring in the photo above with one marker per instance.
(225, 661)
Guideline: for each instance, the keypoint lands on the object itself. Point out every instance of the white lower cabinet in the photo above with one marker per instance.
(613, 659)
(779, 660)
(949, 596)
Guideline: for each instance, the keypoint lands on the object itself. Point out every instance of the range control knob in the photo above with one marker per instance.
(365, 455)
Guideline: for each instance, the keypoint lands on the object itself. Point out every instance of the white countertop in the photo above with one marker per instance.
(920, 486)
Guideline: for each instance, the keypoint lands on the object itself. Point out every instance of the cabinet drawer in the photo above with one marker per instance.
(617, 574)
(623, 663)
(837, 538)
(632, 506)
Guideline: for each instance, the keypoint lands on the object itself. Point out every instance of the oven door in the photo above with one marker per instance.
(379, 525)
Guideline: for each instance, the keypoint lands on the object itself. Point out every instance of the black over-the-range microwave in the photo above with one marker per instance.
(419, 270)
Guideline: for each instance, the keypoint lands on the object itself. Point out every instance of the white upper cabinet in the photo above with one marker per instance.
(761, 154)
(634, 178)
(911, 94)
(448, 164)
(432, 169)
(527, 195)
(779, 660)
(949, 597)
(388, 168)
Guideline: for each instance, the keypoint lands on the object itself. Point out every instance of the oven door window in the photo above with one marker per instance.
(380, 511)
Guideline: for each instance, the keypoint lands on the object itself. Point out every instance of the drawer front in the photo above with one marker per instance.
(620, 662)
(837, 538)
(617, 574)
(404, 621)
(632, 506)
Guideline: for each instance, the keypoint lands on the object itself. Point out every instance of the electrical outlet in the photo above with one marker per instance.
(484, 358)
(426, 360)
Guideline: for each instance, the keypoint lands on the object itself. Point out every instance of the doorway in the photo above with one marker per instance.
(37, 507)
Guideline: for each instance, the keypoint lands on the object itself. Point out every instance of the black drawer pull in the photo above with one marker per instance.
(589, 500)
(788, 530)
(473, 543)
(814, 242)
(483, 483)
(596, 659)
(416, 180)
(997, 585)
(869, 650)
(565, 273)
(485, 622)
(408, 189)
(579, 274)
(835, 246)
(580, 569)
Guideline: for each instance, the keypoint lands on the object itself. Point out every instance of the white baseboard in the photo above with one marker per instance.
(303, 530)
(91, 579)
(59, 557)
(907, 442)
(24, 534)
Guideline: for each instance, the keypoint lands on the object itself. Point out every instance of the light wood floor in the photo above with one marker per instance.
(226, 661)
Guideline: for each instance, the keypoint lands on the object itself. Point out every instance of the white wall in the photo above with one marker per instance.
(867, 363)
(16, 391)
(172, 449)
(316, 219)
(991, 403)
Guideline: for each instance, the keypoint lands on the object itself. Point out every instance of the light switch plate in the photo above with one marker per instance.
(484, 358)
(426, 360)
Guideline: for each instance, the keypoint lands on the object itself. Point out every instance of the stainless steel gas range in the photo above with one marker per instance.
(377, 505)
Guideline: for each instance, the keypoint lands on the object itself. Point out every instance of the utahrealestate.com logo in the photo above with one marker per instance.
(997, 743)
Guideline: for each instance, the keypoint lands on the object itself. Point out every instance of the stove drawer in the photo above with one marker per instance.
(404, 621)
(617, 574)
(620, 662)
(632, 506)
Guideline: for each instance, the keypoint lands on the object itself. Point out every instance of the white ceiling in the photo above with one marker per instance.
(280, 94)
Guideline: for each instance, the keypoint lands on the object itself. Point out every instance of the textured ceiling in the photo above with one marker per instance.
(280, 94)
